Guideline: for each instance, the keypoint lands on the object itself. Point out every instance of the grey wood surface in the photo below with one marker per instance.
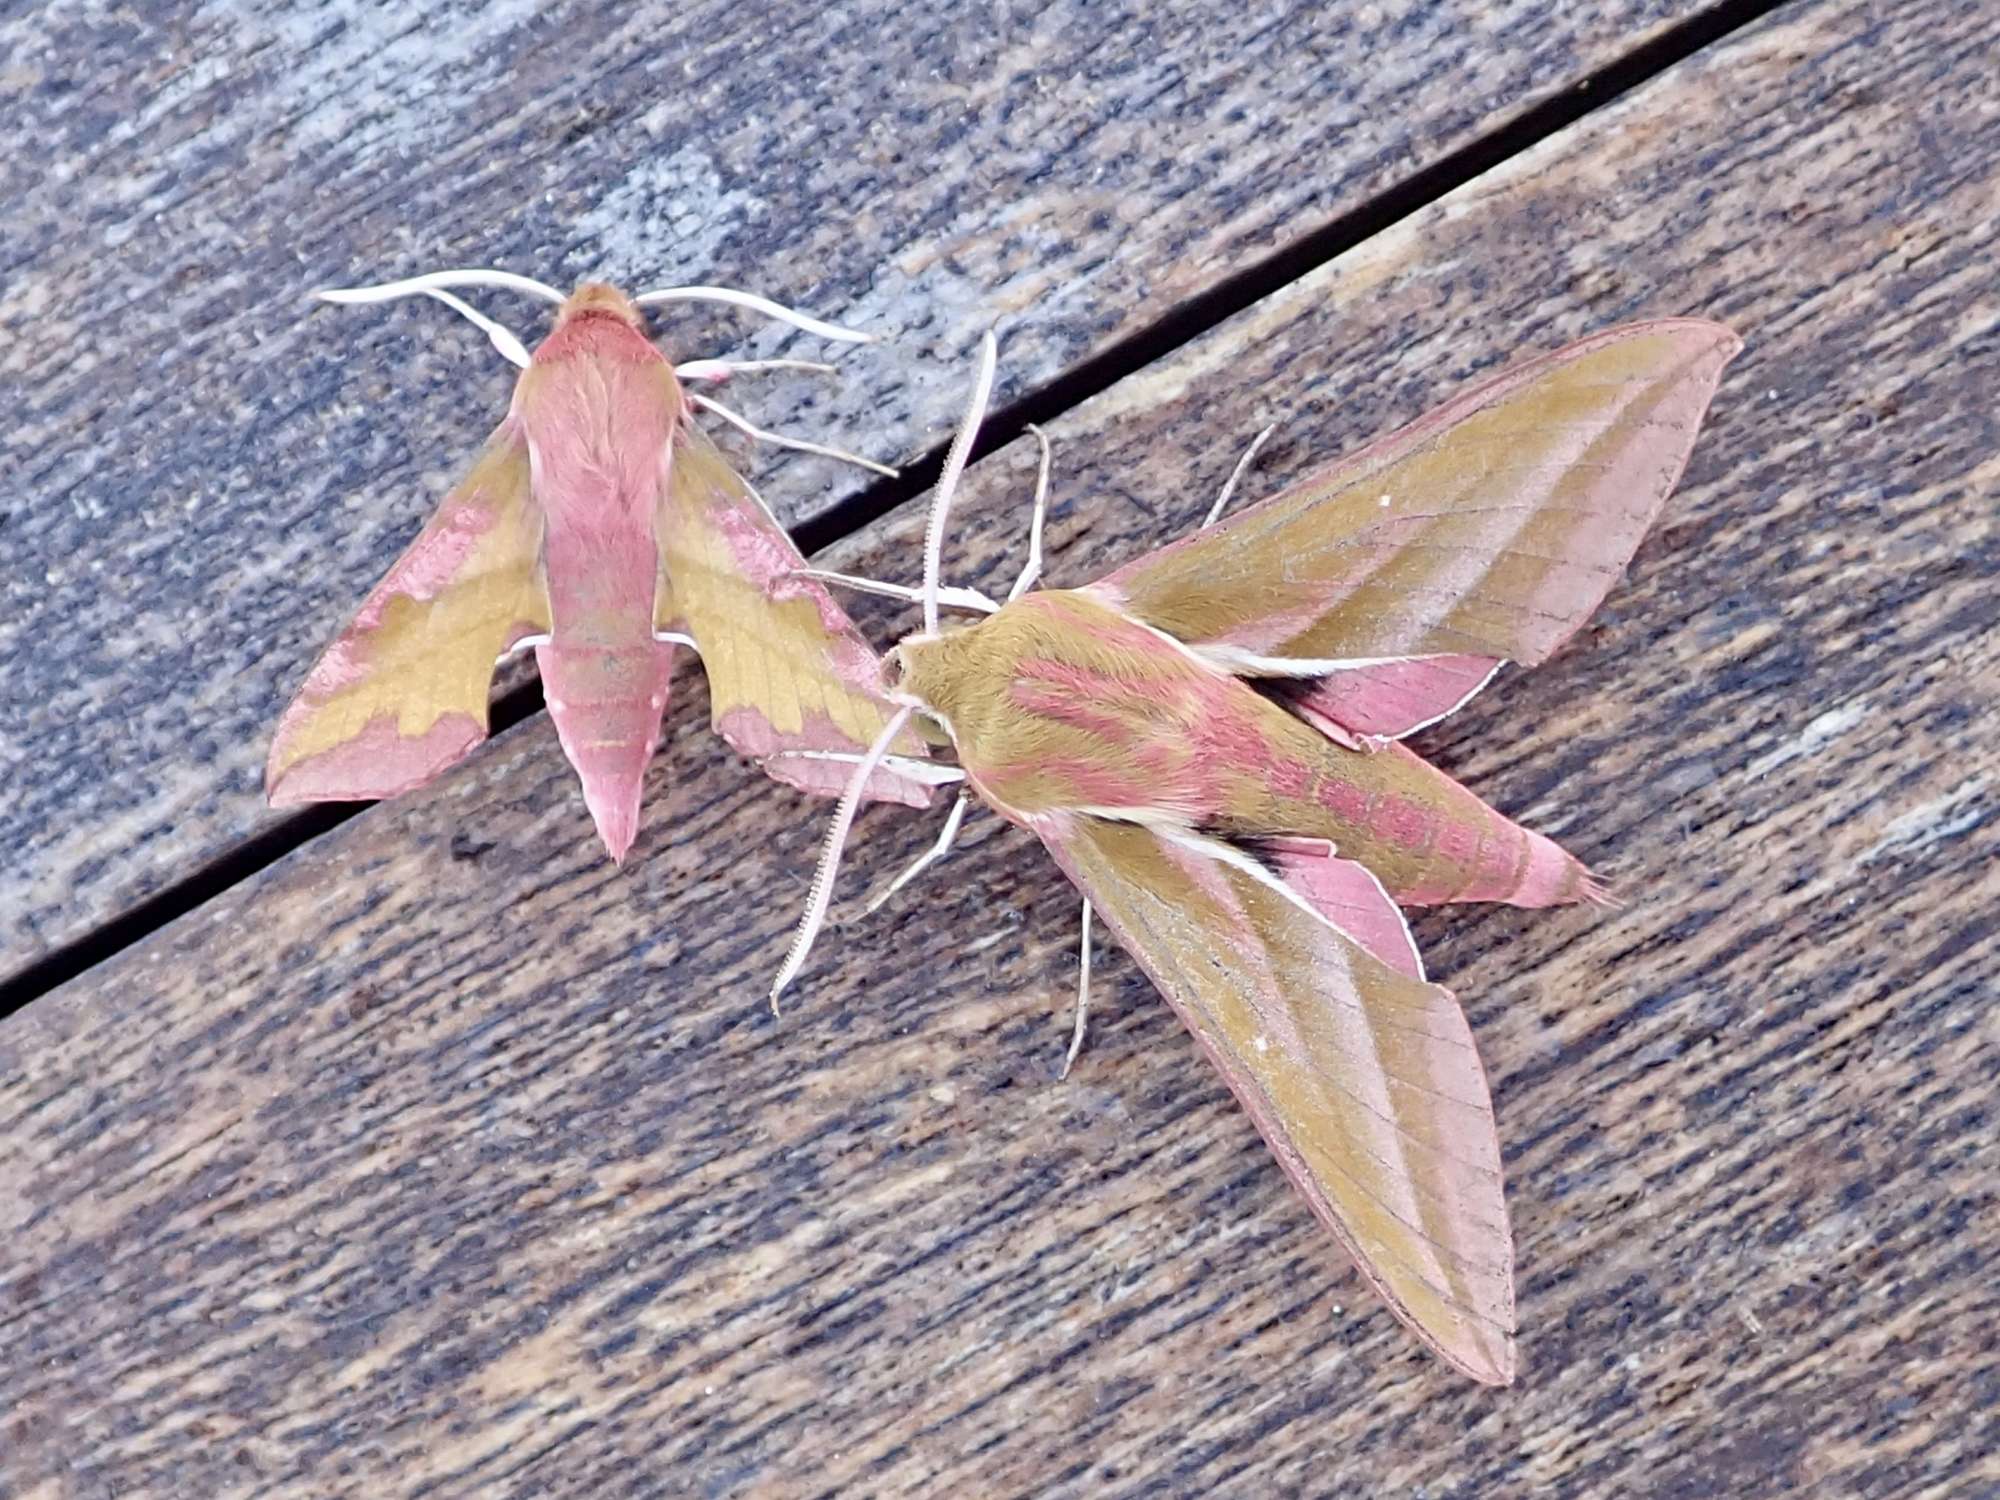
(443, 1159)
(200, 477)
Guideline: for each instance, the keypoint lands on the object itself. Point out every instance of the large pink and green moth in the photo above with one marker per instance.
(1207, 740)
(601, 527)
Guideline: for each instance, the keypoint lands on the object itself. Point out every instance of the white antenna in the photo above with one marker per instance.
(387, 291)
(1031, 570)
(755, 303)
(829, 859)
(433, 286)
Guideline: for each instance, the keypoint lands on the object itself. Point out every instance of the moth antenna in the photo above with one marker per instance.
(743, 424)
(410, 286)
(764, 305)
(721, 369)
(677, 638)
(1082, 996)
(1032, 568)
(956, 597)
(1236, 474)
(929, 857)
(829, 859)
(954, 466)
(511, 348)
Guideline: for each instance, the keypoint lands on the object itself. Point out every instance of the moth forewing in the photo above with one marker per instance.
(737, 585)
(1363, 1080)
(1485, 531)
(402, 693)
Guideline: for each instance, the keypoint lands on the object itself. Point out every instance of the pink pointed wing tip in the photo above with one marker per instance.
(1725, 341)
(1705, 342)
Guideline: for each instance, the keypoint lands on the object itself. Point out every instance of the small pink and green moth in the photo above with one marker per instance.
(601, 527)
(1207, 740)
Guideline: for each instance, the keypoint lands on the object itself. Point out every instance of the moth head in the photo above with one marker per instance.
(927, 671)
(895, 677)
(596, 299)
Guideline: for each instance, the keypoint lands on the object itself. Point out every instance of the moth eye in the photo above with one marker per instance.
(894, 669)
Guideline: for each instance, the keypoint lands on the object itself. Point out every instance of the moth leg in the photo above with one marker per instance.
(1082, 996)
(1032, 569)
(764, 305)
(719, 370)
(1236, 474)
(510, 346)
(929, 772)
(744, 424)
(930, 856)
(956, 597)
(529, 642)
(525, 643)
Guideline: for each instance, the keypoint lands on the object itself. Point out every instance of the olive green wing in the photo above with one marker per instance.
(787, 670)
(1486, 531)
(1361, 1076)
(402, 692)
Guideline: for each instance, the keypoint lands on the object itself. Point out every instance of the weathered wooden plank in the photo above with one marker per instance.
(442, 1159)
(204, 477)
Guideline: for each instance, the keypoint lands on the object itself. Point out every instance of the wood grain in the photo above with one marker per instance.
(203, 476)
(442, 1159)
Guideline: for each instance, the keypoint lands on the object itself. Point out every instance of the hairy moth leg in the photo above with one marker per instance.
(1236, 475)
(776, 311)
(937, 851)
(930, 772)
(1031, 570)
(1082, 995)
(957, 598)
(777, 439)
